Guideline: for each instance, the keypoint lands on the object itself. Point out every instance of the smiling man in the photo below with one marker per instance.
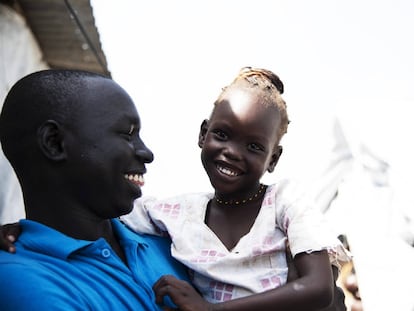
(73, 140)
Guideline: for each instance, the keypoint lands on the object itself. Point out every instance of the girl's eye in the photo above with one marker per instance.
(220, 134)
(256, 147)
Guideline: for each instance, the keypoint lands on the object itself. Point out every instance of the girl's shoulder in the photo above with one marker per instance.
(287, 190)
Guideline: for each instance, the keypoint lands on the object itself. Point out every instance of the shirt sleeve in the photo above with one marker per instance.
(140, 219)
(306, 227)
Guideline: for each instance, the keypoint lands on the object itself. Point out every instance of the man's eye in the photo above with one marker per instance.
(130, 133)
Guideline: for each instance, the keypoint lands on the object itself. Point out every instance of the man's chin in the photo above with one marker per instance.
(128, 209)
(125, 209)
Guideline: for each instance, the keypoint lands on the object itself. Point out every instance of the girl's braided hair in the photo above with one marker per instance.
(271, 88)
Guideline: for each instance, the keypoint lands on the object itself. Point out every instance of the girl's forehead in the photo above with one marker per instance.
(241, 102)
(246, 111)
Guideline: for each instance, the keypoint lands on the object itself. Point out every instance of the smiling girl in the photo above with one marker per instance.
(236, 240)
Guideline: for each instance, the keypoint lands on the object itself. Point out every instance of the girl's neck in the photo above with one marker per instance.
(231, 222)
(236, 202)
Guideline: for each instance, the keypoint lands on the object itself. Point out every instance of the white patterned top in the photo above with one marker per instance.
(258, 262)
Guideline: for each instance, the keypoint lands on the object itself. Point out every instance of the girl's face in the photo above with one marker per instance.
(239, 143)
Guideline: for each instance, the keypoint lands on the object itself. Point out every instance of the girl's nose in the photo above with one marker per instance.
(233, 151)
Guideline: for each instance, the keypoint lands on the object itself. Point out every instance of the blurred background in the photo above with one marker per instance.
(348, 71)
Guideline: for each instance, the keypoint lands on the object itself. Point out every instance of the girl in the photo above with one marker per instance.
(235, 240)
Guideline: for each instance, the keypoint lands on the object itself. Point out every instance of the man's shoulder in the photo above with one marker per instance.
(25, 265)
(19, 260)
(26, 285)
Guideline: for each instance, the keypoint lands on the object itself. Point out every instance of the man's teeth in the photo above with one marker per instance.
(227, 171)
(135, 178)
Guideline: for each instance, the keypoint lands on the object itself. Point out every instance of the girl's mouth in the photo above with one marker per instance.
(227, 171)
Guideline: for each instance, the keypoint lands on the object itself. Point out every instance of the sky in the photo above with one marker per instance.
(349, 62)
(173, 57)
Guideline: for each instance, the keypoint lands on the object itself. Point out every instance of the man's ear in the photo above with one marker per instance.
(203, 133)
(50, 139)
(275, 158)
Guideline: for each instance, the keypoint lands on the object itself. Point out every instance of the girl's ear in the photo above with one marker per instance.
(275, 158)
(50, 140)
(203, 133)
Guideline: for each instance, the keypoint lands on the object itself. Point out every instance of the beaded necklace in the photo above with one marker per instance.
(219, 201)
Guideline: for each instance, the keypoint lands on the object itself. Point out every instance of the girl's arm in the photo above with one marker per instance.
(313, 290)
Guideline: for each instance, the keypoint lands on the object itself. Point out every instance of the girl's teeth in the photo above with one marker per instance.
(226, 171)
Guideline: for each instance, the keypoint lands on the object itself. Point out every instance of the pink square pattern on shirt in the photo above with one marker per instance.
(221, 291)
(286, 222)
(207, 256)
(169, 210)
(270, 244)
(270, 282)
(267, 201)
(269, 198)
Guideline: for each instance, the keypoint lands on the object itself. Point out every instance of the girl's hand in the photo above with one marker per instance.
(181, 293)
(8, 235)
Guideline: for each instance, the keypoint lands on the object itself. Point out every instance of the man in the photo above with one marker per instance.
(73, 140)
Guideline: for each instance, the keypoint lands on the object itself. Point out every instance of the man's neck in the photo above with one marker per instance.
(72, 223)
(82, 228)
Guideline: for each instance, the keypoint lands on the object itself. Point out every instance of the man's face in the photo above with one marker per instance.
(106, 155)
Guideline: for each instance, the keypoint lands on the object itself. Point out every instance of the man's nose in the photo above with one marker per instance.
(143, 152)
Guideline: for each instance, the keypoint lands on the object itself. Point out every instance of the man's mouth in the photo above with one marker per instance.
(136, 179)
(227, 171)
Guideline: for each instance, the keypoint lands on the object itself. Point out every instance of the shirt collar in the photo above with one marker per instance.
(43, 239)
(125, 233)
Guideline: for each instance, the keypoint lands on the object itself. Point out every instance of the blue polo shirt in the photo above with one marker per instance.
(51, 271)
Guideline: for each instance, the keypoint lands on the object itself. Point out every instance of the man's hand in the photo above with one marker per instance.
(8, 235)
(181, 293)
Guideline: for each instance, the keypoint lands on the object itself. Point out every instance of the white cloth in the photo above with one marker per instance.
(258, 262)
(19, 55)
(366, 192)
